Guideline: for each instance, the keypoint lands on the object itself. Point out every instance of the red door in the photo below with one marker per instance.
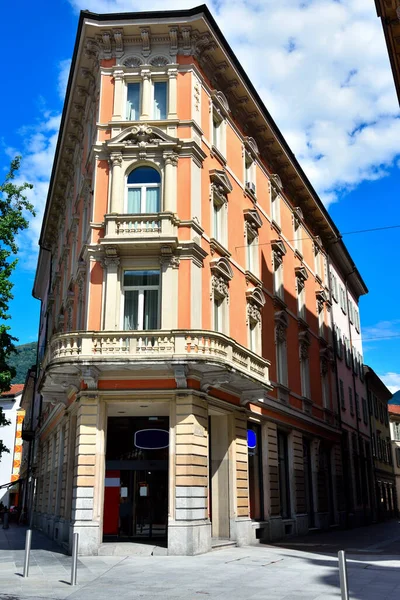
(111, 503)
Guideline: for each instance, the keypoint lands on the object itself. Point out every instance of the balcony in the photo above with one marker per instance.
(205, 352)
(141, 230)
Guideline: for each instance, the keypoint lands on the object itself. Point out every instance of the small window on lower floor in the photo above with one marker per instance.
(218, 314)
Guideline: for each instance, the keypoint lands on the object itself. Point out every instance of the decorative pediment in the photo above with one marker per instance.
(220, 101)
(143, 135)
(298, 213)
(159, 61)
(251, 145)
(321, 296)
(221, 268)
(281, 319)
(220, 182)
(317, 244)
(256, 296)
(279, 247)
(301, 273)
(252, 218)
(132, 61)
(276, 182)
(304, 339)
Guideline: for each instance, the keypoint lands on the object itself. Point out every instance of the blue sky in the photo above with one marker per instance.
(323, 72)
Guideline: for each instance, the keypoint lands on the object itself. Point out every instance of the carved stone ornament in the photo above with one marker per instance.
(278, 248)
(90, 376)
(168, 259)
(304, 344)
(281, 325)
(255, 296)
(142, 136)
(251, 145)
(220, 183)
(145, 34)
(173, 40)
(159, 61)
(132, 61)
(254, 312)
(324, 366)
(298, 214)
(219, 286)
(252, 221)
(301, 275)
(321, 299)
(171, 158)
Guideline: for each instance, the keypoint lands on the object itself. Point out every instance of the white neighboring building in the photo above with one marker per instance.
(10, 403)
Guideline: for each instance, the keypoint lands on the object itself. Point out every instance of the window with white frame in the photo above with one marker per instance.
(221, 275)
(396, 431)
(141, 294)
(160, 100)
(275, 206)
(321, 318)
(301, 277)
(342, 293)
(255, 303)
(252, 225)
(278, 252)
(133, 101)
(298, 230)
(281, 348)
(219, 219)
(318, 260)
(143, 191)
(219, 112)
(305, 366)
(249, 173)
(217, 130)
(334, 287)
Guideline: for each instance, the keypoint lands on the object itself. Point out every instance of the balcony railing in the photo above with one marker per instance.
(160, 346)
(140, 226)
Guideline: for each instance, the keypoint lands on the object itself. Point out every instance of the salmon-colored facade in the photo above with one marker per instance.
(184, 280)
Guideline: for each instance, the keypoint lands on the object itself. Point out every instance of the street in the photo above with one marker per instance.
(305, 569)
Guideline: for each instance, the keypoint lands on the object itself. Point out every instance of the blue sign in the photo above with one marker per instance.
(151, 439)
(251, 439)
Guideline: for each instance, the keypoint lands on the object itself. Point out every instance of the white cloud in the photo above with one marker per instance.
(392, 381)
(323, 71)
(382, 330)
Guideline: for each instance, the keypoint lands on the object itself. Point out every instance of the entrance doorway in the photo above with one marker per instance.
(136, 483)
(219, 475)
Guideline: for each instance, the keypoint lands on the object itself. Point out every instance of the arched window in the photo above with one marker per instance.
(143, 191)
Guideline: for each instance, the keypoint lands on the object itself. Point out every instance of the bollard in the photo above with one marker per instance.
(28, 541)
(74, 558)
(344, 591)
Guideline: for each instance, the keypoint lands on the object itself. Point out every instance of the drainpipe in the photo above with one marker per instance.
(354, 380)
(335, 356)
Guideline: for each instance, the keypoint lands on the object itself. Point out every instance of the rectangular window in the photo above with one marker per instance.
(141, 300)
(381, 416)
(301, 299)
(250, 174)
(351, 401)
(219, 217)
(255, 471)
(218, 314)
(321, 319)
(396, 431)
(275, 206)
(342, 398)
(357, 401)
(251, 258)
(364, 410)
(133, 102)
(160, 100)
(281, 358)
(253, 336)
(305, 377)
(389, 451)
(386, 414)
(376, 408)
(398, 457)
(298, 235)
(284, 487)
(278, 276)
(334, 287)
(217, 130)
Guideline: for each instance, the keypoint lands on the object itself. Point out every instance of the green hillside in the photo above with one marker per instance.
(23, 360)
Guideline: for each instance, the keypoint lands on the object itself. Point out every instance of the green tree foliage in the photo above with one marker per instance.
(22, 360)
(14, 210)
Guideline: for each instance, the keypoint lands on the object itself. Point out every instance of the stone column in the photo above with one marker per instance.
(88, 482)
(118, 96)
(117, 195)
(146, 112)
(111, 296)
(241, 525)
(189, 533)
(172, 94)
(170, 181)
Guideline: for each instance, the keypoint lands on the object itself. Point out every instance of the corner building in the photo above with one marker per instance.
(187, 368)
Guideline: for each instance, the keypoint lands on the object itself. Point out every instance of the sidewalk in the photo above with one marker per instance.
(248, 573)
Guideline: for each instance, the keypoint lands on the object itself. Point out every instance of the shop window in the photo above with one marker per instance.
(255, 470)
(283, 471)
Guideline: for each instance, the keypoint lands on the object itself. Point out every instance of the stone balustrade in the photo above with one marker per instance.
(191, 345)
(140, 226)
